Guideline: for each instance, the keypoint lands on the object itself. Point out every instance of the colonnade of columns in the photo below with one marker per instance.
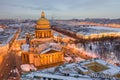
(25, 58)
(42, 59)
(43, 34)
(51, 58)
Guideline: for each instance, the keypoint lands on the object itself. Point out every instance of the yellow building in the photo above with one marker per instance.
(42, 28)
(47, 57)
(38, 56)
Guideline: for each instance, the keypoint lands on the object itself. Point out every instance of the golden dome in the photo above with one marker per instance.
(43, 20)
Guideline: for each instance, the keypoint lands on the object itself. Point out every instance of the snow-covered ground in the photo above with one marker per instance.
(86, 30)
(105, 28)
(107, 50)
(28, 67)
(75, 71)
(95, 30)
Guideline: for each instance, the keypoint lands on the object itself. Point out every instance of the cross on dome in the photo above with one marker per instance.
(43, 14)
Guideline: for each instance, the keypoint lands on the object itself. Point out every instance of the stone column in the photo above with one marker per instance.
(23, 59)
(48, 33)
(45, 34)
(39, 34)
(36, 34)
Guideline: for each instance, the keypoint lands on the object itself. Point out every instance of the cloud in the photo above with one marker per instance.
(62, 8)
(33, 7)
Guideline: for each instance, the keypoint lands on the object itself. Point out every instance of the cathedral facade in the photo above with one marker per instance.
(49, 56)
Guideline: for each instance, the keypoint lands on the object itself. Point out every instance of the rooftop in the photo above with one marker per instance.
(6, 35)
(86, 29)
(81, 70)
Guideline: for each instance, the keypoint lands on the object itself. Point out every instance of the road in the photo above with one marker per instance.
(10, 61)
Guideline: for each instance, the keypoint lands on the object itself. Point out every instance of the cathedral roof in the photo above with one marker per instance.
(49, 50)
(43, 20)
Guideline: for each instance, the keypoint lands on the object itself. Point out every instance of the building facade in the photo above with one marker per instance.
(47, 58)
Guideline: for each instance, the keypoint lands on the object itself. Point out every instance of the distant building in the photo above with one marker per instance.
(1, 30)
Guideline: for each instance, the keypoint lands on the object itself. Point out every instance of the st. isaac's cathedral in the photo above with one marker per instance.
(39, 51)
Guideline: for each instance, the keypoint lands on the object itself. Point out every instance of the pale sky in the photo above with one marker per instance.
(59, 9)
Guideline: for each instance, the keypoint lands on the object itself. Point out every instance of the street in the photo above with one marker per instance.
(8, 64)
(10, 60)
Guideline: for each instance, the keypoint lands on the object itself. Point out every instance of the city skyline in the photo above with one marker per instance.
(32, 46)
(58, 9)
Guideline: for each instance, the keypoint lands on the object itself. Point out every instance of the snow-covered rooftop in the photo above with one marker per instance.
(77, 71)
(6, 36)
(88, 30)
